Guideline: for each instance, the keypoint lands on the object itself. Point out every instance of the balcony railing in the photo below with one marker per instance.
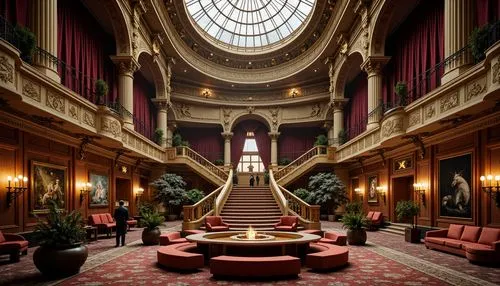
(315, 151)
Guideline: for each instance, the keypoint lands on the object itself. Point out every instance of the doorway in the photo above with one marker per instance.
(402, 189)
(123, 190)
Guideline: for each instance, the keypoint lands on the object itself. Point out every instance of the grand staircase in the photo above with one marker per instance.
(247, 206)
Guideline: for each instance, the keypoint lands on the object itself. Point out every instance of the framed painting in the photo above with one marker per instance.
(99, 192)
(48, 182)
(455, 186)
(372, 189)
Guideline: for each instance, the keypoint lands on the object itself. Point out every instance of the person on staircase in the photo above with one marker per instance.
(251, 180)
(257, 179)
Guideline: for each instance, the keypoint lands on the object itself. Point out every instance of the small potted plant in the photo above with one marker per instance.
(355, 224)
(342, 137)
(151, 233)
(408, 210)
(266, 177)
(101, 91)
(159, 136)
(401, 90)
(478, 42)
(61, 252)
(26, 43)
(321, 140)
(284, 161)
(219, 162)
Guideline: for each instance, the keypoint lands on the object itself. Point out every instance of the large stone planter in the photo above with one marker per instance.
(412, 235)
(151, 237)
(356, 237)
(60, 261)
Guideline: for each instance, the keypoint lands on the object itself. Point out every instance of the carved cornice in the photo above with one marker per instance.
(374, 64)
(127, 65)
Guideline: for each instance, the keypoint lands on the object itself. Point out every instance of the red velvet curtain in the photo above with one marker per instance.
(356, 110)
(263, 144)
(295, 141)
(416, 47)
(487, 12)
(206, 141)
(15, 11)
(85, 48)
(145, 112)
(237, 144)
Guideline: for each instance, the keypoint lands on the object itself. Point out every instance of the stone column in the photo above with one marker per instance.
(328, 126)
(274, 148)
(227, 148)
(162, 105)
(458, 25)
(373, 66)
(44, 25)
(338, 119)
(127, 66)
(170, 133)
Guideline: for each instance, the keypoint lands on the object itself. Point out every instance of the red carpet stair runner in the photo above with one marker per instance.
(247, 206)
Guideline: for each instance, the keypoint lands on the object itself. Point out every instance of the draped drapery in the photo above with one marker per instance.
(144, 110)
(15, 11)
(208, 142)
(415, 48)
(85, 48)
(356, 109)
(295, 141)
(237, 144)
(263, 144)
(487, 11)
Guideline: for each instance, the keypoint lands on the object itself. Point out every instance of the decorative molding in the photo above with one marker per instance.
(250, 109)
(316, 110)
(476, 88)
(430, 111)
(88, 119)
(31, 90)
(6, 70)
(55, 102)
(226, 113)
(111, 126)
(73, 111)
(414, 118)
(495, 71)
(183, 110)
(392, 126)
(449, 101)
(274, 117)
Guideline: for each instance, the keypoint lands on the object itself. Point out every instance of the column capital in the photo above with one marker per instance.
(274, 135)
(227, 135)
(374, 64)
(127, 65)
(338, 103)
(162, 103)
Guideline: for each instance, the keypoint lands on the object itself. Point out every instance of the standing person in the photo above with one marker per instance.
(257, 179)
(251, 180)
(121, 217)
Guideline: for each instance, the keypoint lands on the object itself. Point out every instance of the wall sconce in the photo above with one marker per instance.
(20, 186)
(359, 192)
(489, 187)
(419, 189)
(124, 169)
(206, 93)
(294, 93)
(382, 191)
(138, 194)
(84, 189)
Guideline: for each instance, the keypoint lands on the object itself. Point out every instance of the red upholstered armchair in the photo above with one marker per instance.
(13, 245)
(215, 223)
(287, 223)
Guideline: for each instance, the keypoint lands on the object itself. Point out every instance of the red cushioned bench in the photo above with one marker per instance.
(171, 238)
(180, 256)
(105, 222)
(334, 238)
(326, 256)
(13, 245)
(237, 266)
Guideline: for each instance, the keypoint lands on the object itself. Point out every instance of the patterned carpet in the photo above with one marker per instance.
(386, 260)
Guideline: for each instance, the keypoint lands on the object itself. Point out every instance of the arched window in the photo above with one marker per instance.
(250, 160)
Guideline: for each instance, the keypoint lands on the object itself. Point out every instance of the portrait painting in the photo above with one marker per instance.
(99, 192)
(455, 186)
(49, 182)
(372, 189)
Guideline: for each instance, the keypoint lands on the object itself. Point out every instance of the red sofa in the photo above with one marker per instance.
(287, 223)
(171, 238)
(215, 223)
(13, 245)
(105, 222)
(477, 244)
(375, 220)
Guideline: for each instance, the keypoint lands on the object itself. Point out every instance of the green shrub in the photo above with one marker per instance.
(266, 177)
(478, 41)
(303, 194)
(401, 90)
(284, 161)
(151, 220)
(406, 210)
(159, 136)
(321, 140)
(194, 195)
(101, 90)
(354, 221)
(170, 190)
(354, 208)
(26, 43)
(327, 190)
(219, 162)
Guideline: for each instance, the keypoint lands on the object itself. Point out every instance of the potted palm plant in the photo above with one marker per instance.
(61, 252)
(355, 223)
(151, 233)
(408, 210)
(159, 136)
(401, 90)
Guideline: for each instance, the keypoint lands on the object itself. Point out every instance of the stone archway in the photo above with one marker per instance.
(121, 26)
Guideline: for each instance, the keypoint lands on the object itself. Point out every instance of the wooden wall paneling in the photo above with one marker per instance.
(490, 212)
(11, 218)
(422, 175)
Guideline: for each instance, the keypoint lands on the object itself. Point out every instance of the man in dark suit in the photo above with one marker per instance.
(121, 217)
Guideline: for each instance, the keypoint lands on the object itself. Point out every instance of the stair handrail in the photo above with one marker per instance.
(316, 150)
(190, 153)
(194, 215)
(308, 214)
(277, 194)
(224, 194)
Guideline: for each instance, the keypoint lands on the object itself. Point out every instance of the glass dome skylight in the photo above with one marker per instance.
(250, 23)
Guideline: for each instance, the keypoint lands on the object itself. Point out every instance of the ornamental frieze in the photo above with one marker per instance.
(6, 70)
(55, 102)
(31, 90)
(111, 126)
(449, 101)
(495, 71)
(392, 126)
(475, 89)
(430, 111)
(414, 118)
(89, 119)
(73, 111)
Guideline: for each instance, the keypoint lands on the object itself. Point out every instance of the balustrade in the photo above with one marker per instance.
(315, 151)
